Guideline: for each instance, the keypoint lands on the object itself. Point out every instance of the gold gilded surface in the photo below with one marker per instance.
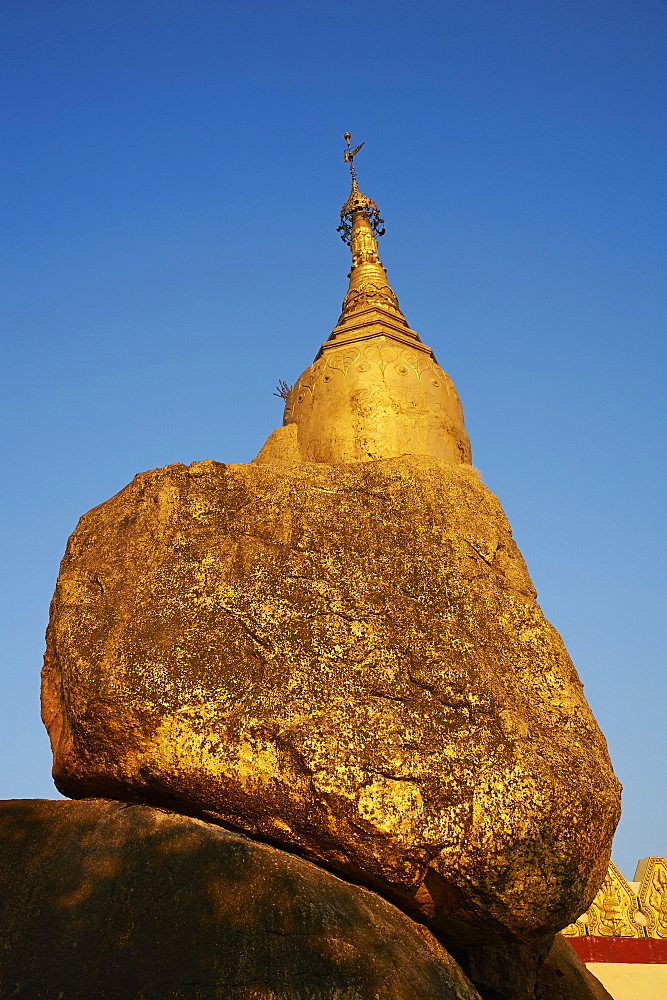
(347, 661)
(612, 912)
(375, 398)
(653, 895)
(368, 278)
(576, 929)
(374, 391)
(626, 909)
(338, 649)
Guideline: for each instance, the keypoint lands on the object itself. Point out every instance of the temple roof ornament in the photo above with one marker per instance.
(627, 909)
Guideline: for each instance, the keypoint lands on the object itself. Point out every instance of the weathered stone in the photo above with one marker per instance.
(564, 976)
(125, 902)
(345, 660)
(547, 970)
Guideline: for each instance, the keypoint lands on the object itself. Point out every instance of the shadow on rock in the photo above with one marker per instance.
(115, 901)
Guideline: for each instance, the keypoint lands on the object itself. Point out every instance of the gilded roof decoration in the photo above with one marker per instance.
(627, 909)
(653, 895)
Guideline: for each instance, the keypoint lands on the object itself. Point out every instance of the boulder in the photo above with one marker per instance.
(126, 902)
(345, 660)
(563, 976)
(550, 970)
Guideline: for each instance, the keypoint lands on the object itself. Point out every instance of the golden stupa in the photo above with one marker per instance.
(374, 390)
(336, 650)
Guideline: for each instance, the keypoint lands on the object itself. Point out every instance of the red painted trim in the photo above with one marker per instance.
(640, 951)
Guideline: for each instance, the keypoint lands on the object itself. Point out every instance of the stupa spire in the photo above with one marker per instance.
(360, 227)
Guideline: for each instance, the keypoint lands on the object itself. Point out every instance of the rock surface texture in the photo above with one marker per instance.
(347, 661)
(124, 902)
(563, 976)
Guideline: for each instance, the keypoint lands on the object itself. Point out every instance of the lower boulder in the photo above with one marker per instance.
(128, 902)
(565, 977)
(549, 970)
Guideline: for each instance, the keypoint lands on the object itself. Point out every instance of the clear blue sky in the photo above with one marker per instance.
(172, 182)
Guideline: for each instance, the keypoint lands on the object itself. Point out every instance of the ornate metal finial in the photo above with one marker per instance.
(357, 200)
(349, 156)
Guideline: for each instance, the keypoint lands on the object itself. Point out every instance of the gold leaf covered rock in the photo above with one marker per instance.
(345, 660)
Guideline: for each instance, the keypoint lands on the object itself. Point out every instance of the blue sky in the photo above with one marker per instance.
(172, 181)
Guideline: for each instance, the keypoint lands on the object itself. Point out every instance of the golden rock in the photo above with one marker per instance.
(347, 661)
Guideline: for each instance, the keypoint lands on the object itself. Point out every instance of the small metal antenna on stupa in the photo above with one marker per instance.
(357, 200)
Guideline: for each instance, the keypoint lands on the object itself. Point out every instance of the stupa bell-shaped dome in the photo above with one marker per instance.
(374, 390)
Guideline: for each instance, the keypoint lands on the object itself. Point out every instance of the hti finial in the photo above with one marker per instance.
(349, 156)
(357, 201)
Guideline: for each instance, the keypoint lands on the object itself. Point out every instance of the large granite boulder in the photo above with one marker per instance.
(124, 902)
(345, 660)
